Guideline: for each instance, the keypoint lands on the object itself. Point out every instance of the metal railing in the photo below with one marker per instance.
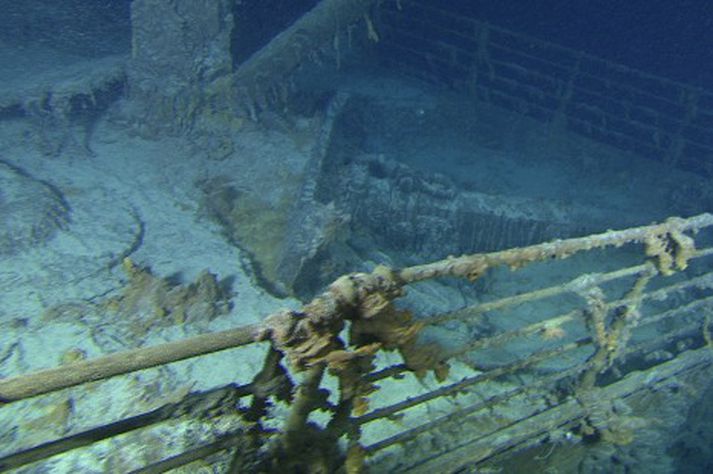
(611, 103)
(655, 298)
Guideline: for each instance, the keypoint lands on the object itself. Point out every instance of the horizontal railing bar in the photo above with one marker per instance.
(504, 337)
(461, 413)
(532, 359)
(468, 381)
(473, 266)
(498, 339)
(632, 383)
(398, 369)
(631, 140)
(395, 370)
(225, 442)
(693, 305)
(50, 380)
(548, 77)
(702, 280)
(126, 425)
(573, 53)
(568, 287)
(558, 320)
(551, 78)
(641, 347)
(646, 346)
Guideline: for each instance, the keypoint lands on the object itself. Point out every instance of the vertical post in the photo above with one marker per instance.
(178, 49)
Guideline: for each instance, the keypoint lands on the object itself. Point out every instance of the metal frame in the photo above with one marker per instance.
(653, 116)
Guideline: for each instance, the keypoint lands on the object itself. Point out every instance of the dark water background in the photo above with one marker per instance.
(673, 39)
(668, 38)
